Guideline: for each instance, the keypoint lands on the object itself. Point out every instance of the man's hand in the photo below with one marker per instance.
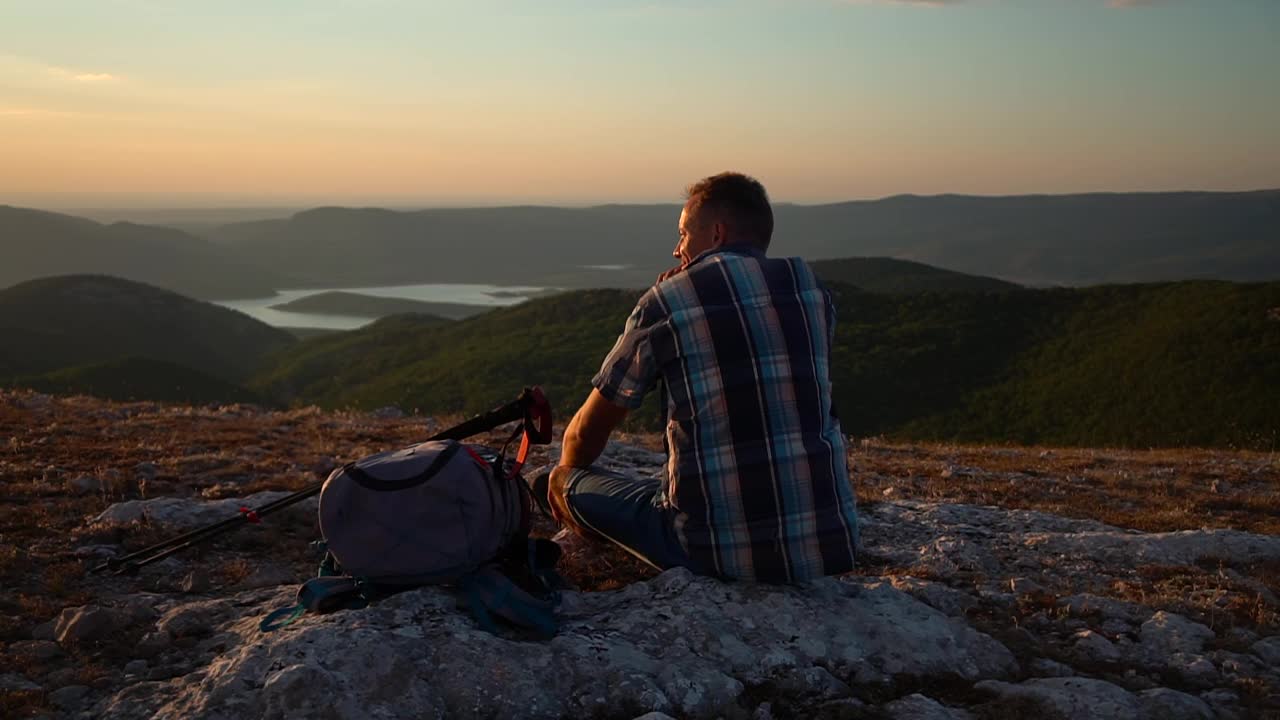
(671, 273)
(559, 502)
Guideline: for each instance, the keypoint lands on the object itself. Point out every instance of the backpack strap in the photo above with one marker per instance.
(320, 595)
(488, 593)
(543, 556)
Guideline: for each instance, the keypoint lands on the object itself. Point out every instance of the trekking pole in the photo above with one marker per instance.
(530, 405)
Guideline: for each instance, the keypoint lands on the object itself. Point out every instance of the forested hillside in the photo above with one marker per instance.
(80, 320)
(1189, 363)
(1193, 363)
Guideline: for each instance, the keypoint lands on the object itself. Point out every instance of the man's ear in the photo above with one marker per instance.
(720, 234)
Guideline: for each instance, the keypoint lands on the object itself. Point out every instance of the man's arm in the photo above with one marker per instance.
(589, 430)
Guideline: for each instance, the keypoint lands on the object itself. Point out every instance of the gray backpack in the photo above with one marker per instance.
(430, 513)
(434, 513)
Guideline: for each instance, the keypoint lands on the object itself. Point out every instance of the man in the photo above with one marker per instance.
(757, 485)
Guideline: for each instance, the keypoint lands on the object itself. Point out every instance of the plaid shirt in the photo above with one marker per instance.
(756, 466)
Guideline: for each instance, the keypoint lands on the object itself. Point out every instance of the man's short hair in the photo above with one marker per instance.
(742, 198)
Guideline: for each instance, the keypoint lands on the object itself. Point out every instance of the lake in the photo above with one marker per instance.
(461, 293)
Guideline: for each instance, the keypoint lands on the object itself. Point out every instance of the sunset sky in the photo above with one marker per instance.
(578, 101)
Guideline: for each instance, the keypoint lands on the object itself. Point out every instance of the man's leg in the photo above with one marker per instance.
(625, 511)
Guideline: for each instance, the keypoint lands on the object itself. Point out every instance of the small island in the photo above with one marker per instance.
(515, 294)
(369, 306)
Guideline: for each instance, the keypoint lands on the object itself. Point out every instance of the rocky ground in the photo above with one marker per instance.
(996, 582)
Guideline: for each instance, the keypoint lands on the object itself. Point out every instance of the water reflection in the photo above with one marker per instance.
(476, 294)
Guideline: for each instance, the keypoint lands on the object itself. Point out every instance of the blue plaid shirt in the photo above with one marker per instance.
(756, 463)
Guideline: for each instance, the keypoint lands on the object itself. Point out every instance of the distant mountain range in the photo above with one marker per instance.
(1037, 240)
(35, 244)
(1056, 239)
(1030, 240)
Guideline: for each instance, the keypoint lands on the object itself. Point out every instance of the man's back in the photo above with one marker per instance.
(757, 465)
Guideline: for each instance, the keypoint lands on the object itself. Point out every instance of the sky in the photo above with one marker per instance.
(465, 102)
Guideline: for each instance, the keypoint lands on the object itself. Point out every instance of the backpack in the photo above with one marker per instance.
(438, 512)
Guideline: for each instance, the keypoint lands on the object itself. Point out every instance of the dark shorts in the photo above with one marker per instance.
(628, 512)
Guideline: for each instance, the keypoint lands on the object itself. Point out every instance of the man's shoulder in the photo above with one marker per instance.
(794, 273)
(653, 303)
(722, 277)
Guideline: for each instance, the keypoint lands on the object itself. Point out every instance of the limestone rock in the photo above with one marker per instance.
(84, 624)
(1194, 670)
(692, 647)
(69, 697)
(1116, 627)
(1168, 633)
(1268, 650)
(1172, 548)
(1062, 699)
(1166, 704)
(948, 554)
(1088, 605)
(270, 576)
(174, 514)
(1025, 586)
(13, 682)
(936, 595)
(193, 620)
(1094, 647)
(1044, 667)
(45, 630)
(920, 707)
(1224, 702)
(38, 649)
(677, 644)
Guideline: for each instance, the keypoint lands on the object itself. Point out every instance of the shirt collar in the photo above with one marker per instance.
(742, 248)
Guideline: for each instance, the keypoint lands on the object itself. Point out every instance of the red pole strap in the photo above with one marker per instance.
(538, 415)
(537, 427)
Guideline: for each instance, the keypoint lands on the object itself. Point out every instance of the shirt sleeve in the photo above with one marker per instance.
(629, 372)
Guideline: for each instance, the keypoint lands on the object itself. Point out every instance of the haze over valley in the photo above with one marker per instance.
(1028, 240)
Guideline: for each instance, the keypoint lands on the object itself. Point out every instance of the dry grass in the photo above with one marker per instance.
(1149, 490)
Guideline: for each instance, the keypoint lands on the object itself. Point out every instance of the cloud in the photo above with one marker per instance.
(35, 112)
(84, 77)
(95, 77)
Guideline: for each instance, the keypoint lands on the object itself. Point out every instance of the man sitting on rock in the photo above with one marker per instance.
(757, 485)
